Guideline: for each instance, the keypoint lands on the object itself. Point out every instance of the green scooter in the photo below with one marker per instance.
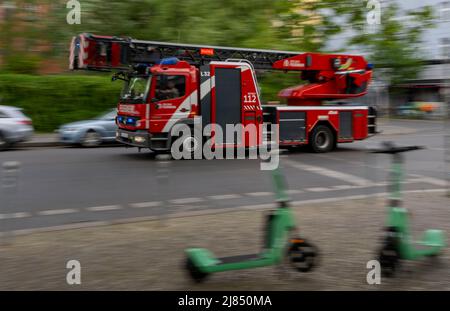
(398, 243)
(280, 224)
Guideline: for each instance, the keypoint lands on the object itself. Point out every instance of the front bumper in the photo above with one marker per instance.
(143, 139)
(139, 139)
(69, 137)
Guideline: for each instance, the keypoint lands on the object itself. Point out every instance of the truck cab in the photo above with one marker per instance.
(175, 92)
(153, 100)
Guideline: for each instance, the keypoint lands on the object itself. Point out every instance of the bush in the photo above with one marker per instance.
(21, 63)
(57, 99)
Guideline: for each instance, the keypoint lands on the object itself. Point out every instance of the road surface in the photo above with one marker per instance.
(71, 186)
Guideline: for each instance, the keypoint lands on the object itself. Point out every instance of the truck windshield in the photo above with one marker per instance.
(136, 89)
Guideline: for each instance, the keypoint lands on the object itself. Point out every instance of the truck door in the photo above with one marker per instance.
(234, 100)
(346, 125)
(170, 101)
(227, 100)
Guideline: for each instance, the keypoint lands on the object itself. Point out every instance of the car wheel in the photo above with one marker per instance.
(322, 139)
(4, 144)
(91, 139)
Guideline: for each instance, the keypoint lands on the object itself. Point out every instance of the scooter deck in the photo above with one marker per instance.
(240, 258)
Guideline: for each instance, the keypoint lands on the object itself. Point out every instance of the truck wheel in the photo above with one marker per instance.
(4, 144)
(190, 145)
(322, 139)
(91, 139)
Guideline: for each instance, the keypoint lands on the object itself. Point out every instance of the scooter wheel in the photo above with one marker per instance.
(389, 257)
(302, 255)
(197, 275)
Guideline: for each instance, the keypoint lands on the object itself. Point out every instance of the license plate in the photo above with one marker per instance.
(127, 109)
(124, 135)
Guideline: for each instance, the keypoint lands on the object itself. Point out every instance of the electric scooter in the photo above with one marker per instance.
(279, 226)
(398, 243)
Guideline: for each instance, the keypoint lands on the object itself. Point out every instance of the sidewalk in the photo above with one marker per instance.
(150, 255)
(42, 140)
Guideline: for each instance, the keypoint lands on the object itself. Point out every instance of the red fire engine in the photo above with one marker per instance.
(168, 84)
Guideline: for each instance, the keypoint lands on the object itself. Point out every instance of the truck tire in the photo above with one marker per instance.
(191, 145)
(4, 144)
(322, 139)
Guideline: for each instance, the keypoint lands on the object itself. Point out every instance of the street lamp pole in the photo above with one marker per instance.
(447, 130)
(447, 117)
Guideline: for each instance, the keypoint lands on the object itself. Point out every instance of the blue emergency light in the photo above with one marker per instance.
(169, 61)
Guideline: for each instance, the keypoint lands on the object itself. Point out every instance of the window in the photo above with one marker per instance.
(136, 89)
(445, 11)
(15, 113)
(445, 48)
(168, 87)
(11, 113)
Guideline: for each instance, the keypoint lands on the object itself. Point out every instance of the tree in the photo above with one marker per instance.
(395, 45)
(297, 25)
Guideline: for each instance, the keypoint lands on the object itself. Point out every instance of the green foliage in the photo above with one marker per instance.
(395, 45)
(272, 83)
(228, 22)
(54, 100)
(22, 63)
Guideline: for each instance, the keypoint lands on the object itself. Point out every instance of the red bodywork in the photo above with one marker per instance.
(330, 115)
(330, 76)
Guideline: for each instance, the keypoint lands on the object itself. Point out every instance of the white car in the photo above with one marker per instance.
(15, 127)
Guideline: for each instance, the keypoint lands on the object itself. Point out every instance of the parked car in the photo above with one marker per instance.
(15, 126)
(90, 133)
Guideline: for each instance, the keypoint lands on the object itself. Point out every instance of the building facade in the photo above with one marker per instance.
(426, 94)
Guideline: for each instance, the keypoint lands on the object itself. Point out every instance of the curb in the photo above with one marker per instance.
(37, 144)
(391, 130)
(43, 144)
(188, 214)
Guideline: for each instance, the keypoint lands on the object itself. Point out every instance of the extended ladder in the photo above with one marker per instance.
(107, 53)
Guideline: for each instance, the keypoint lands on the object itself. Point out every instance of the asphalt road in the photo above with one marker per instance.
(64, 186)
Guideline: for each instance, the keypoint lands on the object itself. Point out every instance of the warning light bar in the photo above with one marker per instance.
(207, 52)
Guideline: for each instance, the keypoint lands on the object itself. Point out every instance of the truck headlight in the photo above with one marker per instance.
(139, 139)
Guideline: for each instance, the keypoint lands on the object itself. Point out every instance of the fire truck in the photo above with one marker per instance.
(168, 84)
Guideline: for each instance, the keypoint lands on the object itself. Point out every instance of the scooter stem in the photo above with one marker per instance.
(396, 179)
